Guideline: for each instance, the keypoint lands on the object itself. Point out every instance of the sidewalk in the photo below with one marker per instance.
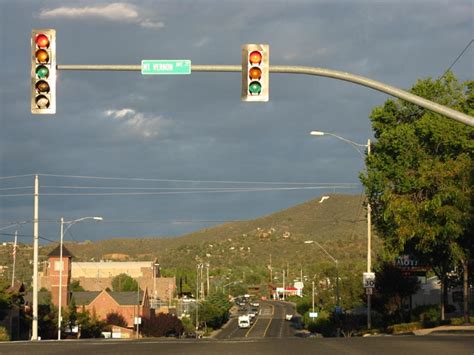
(467, 329)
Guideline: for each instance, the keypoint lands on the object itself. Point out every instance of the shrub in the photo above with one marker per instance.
(4, 336)
(115, 318)
(429, 315)
(404, 327)
(162, 325)
(460, 320)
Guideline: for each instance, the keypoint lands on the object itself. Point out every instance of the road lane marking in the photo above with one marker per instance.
(253, 325)
(268, 326)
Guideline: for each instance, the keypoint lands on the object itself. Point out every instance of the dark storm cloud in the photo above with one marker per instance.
(195, 127)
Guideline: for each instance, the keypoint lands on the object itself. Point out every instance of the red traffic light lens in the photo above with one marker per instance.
(42, 56)
(255, 57)
(42, 41)
(42, 101)
(255, 73)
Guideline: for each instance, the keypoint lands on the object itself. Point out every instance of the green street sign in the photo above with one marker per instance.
(166, 67)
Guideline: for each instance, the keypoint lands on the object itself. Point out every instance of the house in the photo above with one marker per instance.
(97, 276)
(100, 303)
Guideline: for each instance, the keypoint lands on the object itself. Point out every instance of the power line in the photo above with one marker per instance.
(458, 57)
(182, 180)
(16, 188)
(15, 176)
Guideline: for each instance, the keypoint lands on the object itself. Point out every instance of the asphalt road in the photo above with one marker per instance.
(270, 323)
(459, 345)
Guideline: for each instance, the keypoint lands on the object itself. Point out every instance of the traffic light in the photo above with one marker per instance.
(43, 71)
(255, 72)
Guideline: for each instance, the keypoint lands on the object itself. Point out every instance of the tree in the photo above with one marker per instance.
(114, 318)
(124, 282)
(75, 286)
(392, 291)
(162, 325)
(89, 326)
(419, 180)
(70, 316)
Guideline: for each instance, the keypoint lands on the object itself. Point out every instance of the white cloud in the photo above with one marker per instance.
(138, 123)
(122, 12)
(202, 42)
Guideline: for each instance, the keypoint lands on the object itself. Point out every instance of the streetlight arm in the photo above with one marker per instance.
(325, 251)
(352, 143)
(71, 223)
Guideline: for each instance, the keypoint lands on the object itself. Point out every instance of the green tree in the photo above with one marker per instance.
(420, 175)
(124, 282)
(392, 292)
(70, 316)
(75, 286)
(114, 318)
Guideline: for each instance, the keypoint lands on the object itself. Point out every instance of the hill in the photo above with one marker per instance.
(338, 224)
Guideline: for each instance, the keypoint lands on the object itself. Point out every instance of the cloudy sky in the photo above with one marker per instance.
(165, 155)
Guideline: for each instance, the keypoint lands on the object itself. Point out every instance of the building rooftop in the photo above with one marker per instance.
(56, 252)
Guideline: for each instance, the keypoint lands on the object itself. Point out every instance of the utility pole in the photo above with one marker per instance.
(60, 296)
(313, 295)
(283, 284)
(201, 266)
(14, 258)
(34, 326)
(208, 289)
(369, 253)
(197, 302)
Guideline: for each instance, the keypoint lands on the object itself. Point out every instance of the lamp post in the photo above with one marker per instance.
(369, 213)
(230, 283)
(60, 295)
(337, 267)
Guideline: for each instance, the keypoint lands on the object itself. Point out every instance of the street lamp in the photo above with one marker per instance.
(70, 224)
(369, 210)
(230, 283)
(337, 270)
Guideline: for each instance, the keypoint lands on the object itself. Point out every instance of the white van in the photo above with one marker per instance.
(244, 321)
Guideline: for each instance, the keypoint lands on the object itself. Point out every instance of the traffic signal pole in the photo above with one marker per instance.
(290, 69)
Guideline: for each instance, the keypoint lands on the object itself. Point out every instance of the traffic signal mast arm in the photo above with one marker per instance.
(290, 69)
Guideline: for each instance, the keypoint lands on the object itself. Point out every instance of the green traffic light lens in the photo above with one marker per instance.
(255, 88)
(42, 72)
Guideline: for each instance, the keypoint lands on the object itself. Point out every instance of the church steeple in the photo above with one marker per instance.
(54, 267)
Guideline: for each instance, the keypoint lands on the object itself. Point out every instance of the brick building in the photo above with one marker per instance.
(127, 304)
(97, 276)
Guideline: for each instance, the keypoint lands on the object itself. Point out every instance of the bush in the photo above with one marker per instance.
(428, 315)
(404, 327)
(117, 319)
(162, 325)
(460, 320)
(4, 336)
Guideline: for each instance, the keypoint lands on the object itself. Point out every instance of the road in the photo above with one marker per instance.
(270, 323)
(406, 345)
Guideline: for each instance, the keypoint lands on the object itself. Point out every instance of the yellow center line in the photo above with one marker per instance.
(268, 326)
(246, 334)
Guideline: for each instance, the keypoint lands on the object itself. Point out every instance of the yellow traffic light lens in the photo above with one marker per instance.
(42, 56)
(42, 86)
(42, 41)
(42, 101)
(255, 73)
(255, 57)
